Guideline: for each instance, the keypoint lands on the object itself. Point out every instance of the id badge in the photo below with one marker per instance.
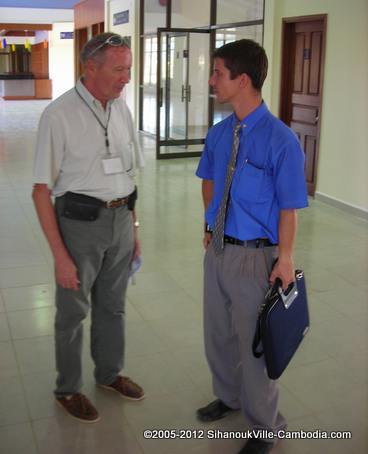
(112, 165)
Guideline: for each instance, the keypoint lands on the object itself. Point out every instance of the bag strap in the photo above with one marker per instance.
(257, 339)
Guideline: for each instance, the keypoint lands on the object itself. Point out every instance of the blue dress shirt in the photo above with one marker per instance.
(268, 177)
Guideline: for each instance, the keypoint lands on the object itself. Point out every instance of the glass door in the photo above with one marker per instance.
(182, 92)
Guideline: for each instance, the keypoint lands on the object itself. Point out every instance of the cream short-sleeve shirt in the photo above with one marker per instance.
(71, 145)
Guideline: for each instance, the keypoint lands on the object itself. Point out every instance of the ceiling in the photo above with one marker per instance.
(53, 4)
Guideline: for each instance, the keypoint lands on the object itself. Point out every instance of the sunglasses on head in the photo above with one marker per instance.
(114, 40)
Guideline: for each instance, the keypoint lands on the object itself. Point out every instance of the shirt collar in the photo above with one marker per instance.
(251, 119)
(88, 97)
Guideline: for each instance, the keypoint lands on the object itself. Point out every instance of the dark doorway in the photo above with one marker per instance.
(301, 85)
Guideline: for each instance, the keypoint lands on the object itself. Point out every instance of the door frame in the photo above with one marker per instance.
(160, 94)
(286, 73)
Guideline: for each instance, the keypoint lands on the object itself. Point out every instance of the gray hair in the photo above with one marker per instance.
(95, 48)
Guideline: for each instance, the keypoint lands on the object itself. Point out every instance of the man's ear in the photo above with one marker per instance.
(90, 67)
(244, 80)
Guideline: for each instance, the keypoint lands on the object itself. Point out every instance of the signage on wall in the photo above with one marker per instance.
(121, 18)
(66, 35)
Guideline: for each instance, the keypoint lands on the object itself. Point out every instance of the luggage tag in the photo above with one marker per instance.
(112, 165)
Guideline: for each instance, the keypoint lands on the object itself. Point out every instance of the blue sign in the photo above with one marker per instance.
(66, 35)
(121, 18)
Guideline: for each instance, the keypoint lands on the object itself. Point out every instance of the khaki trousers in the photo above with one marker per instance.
(235, 284)
(102, 251)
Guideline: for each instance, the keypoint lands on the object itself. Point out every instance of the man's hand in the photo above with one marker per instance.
(284, 270)
(66, 273)
(207, 239)
(284, 267)
(136, 248)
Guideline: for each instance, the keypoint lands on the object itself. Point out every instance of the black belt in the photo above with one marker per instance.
(82, 198)
(258, 243)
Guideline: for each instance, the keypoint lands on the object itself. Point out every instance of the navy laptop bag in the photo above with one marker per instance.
(282, 324)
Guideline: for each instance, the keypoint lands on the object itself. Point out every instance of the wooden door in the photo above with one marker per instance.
(301, 87)
(80, 39)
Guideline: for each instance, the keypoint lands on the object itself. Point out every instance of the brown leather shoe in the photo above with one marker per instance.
(78, 406)
(126, 388)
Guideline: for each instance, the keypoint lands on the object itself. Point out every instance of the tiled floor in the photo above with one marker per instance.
(324, 388)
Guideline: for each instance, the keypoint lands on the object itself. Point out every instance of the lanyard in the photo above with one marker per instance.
(105, 128)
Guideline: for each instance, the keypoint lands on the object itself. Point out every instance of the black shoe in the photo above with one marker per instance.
(255, 446)
(214, 411)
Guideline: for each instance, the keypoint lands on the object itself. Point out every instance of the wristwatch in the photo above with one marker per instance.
(136, 224)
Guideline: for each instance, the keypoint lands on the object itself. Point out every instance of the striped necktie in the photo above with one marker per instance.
(219, 226)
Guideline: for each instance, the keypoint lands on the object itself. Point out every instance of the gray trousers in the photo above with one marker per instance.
(235, 284)
(102, 251)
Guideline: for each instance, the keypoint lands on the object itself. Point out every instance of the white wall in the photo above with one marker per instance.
(61, 59)
(343, 153)
(41, 35)
(35, 15)
(129, 29)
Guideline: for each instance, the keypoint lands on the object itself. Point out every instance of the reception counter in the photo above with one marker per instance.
(24, 86)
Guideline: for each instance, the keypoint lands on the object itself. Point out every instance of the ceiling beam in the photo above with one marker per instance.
(9, 27)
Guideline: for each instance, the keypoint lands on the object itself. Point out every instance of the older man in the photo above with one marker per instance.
(86, 154)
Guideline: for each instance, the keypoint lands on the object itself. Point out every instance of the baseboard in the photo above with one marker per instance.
(351, 209)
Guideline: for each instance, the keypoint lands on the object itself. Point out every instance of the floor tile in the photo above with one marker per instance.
(4, 328)
(72, 437)
(35, 355)
(30, 297)
(17, 439)
(25, 276)
(32, 323)
(8, 361)
(13, 407)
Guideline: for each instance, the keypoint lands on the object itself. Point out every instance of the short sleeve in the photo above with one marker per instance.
(49, 151)
(138, 155)
(291, 191)
(205, 168)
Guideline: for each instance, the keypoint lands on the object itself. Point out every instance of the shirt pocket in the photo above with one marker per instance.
(252, 184)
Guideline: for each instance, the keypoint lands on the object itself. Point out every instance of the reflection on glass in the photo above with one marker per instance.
(178, 64)
(163, 86)
(154, 15)
(184, 114)
(181, 149)
(239, 11)
(198, 85)
(149, 84)
(227, 35)
(190, 13)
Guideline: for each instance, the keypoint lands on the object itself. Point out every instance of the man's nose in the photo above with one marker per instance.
(125, 78)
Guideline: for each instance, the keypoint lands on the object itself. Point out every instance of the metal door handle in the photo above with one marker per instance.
(189, 93)
(182, 93)
(160, 101)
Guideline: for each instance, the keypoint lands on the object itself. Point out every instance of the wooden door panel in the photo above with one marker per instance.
(300, 128)
(299, 64)
(309, 100)
(310, 155)
(315, 66)
(305, 114)
(301, 90)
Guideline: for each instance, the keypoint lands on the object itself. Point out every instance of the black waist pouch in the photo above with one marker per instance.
(81, 207)
(132, 199)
